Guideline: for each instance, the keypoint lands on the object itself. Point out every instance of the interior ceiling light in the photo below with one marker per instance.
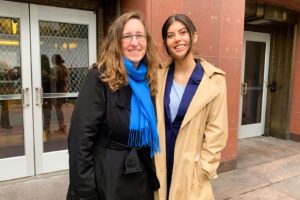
(9, 42)
(259, 22)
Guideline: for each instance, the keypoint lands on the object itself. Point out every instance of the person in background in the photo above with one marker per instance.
(59, 76)
(192, 116)
(46, 85)
(113, 135)
(5, 122)
(9, 76)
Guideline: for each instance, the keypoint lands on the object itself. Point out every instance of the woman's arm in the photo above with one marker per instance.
(86, 118)
(216, 131)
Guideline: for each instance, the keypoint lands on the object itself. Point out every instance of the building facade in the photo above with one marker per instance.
(254, 42)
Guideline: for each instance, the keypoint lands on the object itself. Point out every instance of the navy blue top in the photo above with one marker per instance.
(172, 128)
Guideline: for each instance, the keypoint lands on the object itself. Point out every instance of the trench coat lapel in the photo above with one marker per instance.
(206, 91)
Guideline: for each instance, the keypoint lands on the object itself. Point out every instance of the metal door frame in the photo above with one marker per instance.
(56, 160)
(21, 166)
(252, 130)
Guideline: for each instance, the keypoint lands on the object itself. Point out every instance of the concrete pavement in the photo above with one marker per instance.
(268, 169)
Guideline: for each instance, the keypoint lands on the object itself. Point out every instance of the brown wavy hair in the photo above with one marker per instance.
(110, 63)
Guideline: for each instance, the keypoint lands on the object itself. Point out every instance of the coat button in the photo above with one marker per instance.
(72, 192)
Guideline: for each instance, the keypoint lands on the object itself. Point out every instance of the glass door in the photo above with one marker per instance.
(44, 56)
(16, 130)
(254, 84)
(63, 45)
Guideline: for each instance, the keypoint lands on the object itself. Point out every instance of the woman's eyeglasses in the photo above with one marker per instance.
(129, 38)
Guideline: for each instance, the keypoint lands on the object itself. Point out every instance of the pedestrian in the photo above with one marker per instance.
(113, 135)
(59, 75)
(192, 116)
(46, 85)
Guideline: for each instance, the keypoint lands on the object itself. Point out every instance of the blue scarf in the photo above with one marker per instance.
(142, 126)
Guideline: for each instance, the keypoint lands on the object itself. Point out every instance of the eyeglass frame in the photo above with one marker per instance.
(139, 37)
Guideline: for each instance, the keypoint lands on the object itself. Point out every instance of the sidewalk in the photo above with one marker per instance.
(267, 169)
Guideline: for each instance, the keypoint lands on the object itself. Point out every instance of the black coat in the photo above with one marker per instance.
(102, 166)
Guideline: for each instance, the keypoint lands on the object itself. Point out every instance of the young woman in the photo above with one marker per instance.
(192, 116)
(113, 135)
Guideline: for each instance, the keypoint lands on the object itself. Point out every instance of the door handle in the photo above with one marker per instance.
(38, 96)
(25, 97)
(273, 86)
(244, 88)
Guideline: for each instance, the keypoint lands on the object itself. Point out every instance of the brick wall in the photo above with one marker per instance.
(220, 27)
(295, 107)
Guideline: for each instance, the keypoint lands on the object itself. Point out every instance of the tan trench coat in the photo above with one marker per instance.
(202, 136)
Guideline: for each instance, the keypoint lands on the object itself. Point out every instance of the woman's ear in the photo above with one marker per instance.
(195, 37)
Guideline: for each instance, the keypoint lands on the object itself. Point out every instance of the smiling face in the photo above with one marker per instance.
(178, 40)
(134, 41)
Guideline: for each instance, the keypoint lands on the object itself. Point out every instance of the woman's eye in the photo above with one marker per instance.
(140, 36)
(183, 32)
(127, 37)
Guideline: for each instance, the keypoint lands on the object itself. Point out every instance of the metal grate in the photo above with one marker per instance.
(76, 78)
(68, 40)
(10, 56)
(71, 42)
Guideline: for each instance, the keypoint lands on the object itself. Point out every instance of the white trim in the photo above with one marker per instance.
(14, 167)
(57, 160)
(35, 161)
(22, 166)
(257, 129)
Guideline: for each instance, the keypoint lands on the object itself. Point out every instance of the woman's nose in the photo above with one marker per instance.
(134, 40)
(177, 37)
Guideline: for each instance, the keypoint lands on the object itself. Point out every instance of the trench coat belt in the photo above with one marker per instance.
(132, 161)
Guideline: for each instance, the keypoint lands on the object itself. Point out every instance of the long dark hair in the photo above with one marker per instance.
(186, 21)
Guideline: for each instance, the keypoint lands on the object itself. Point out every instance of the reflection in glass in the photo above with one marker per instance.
(11, 129)
(254, 76)
(56, 140)
(64, 64)
(46, 85)
(59, 75)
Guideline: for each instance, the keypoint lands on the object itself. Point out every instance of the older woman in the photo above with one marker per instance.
(113, 135)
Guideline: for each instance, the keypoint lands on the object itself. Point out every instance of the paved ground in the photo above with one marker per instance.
(268, 169)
